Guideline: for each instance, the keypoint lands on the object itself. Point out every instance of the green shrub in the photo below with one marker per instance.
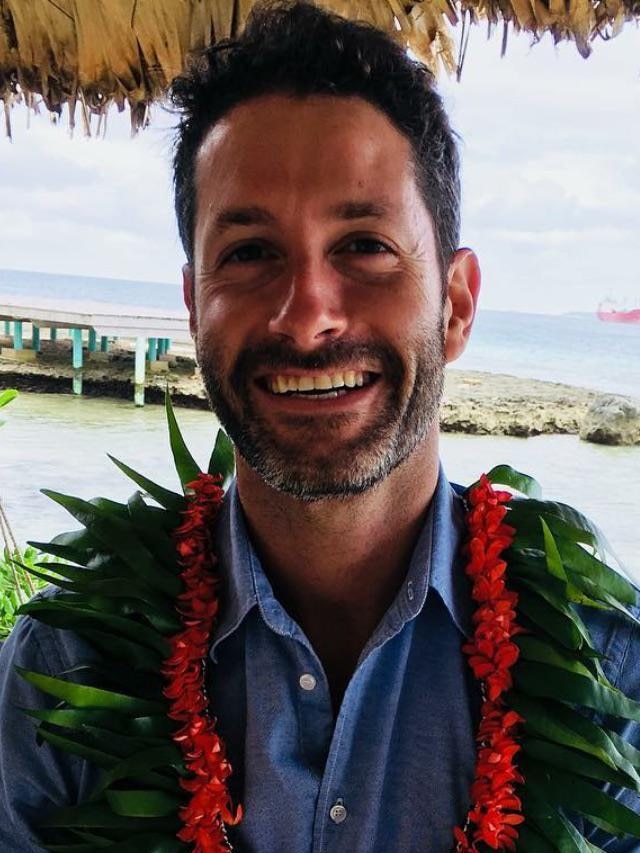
(16, 585)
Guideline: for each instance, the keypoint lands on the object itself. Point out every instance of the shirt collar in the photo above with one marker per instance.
(448, 577)
(435, 564)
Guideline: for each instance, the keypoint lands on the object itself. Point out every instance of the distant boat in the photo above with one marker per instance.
(609, 312)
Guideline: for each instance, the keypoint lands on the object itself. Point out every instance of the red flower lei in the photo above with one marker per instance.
(495, 811)
(209, 807)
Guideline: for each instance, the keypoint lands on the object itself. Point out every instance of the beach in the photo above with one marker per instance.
(475, 402)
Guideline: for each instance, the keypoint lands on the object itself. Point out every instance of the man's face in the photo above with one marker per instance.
(317, 303)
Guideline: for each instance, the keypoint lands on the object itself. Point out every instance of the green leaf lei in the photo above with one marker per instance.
(118, 585)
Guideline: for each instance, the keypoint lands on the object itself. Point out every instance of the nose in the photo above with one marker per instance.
(309, 310)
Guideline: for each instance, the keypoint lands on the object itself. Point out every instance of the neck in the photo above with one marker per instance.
(337, 564)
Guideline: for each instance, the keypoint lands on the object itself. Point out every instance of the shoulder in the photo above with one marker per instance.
(36, 777)
(34, 645)
(617, 637)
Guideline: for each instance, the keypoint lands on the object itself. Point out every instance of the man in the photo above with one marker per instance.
(317, 196)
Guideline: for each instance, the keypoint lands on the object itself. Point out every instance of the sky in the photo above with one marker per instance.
(551, 181)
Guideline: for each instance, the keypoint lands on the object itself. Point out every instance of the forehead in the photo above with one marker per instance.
(304, 151)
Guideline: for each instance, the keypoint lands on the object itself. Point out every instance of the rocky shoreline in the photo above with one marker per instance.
(474, 403)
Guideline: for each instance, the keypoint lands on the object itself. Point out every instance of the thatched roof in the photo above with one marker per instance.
(92, 53)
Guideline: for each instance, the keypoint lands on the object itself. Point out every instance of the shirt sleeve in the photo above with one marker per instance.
(619, 640)
(35, 779)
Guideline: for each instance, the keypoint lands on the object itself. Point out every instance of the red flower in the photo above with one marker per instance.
(495, 810)
(209, 807)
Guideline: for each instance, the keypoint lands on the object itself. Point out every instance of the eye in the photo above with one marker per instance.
(249, 253)
(365, 246)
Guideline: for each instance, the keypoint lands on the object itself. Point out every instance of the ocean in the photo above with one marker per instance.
(577, 349)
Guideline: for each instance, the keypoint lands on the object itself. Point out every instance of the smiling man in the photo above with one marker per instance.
(324, 301)
(317, 195)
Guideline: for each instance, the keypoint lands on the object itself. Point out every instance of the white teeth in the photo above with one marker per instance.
(324, 382)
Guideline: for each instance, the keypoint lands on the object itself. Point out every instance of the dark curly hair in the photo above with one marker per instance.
(297, 49)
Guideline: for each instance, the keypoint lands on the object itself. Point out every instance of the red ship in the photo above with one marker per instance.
(608, 312)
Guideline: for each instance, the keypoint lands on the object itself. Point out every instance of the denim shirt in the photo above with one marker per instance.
(389, 774)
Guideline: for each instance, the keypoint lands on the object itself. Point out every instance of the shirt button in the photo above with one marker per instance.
(410, 592)
(307, 681)
(338, 812)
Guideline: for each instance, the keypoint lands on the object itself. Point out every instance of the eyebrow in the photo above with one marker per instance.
(255, 215)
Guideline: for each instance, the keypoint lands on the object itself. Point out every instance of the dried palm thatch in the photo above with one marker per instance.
(94, 53)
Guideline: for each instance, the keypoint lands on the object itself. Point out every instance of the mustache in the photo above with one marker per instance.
(276, 355)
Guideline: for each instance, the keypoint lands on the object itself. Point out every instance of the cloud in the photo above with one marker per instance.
(551, 180)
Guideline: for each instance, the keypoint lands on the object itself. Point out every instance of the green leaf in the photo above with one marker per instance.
(100, 816)
(65, 552)
(7, 396)
(505, 475)
(569, 759)
(140, 843)
(65, 611)
(166, 498)
(137, 656)
(540, 680)
(558, 625)
(77, 718)
(119, 537)
(554, 560)
(223, 460)
(82, 696)
(537, 649)
(630, 753)
(549, 822)
(530, 841)
(142, 803)
(553, 511)
(551, 590)
(572, 792)
(186, 466)
(580, 561)
(149, 759)
(525, 516)
(94, 756)
(563, 725)
(595, 591)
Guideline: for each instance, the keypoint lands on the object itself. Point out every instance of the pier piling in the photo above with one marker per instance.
(77, 361)
(138, 394)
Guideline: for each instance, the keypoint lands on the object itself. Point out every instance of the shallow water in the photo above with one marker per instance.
(60, 442)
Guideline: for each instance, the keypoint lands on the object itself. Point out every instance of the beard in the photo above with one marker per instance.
(299, 465)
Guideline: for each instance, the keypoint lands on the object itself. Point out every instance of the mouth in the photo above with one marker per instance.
(317, 386)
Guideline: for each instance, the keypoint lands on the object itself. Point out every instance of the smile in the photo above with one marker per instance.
(319, 386)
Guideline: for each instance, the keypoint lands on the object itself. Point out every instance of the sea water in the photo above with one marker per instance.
(60, 442)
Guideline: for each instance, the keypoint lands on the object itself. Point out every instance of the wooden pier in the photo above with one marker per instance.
(92, 328)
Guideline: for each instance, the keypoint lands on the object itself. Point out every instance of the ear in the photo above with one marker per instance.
(188, 294)
(463, 289)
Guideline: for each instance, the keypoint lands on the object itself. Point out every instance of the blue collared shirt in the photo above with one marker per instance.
(390, 774)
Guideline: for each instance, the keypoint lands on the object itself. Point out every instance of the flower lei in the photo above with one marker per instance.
(541, 678)
(495, 810)
(209, 808)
